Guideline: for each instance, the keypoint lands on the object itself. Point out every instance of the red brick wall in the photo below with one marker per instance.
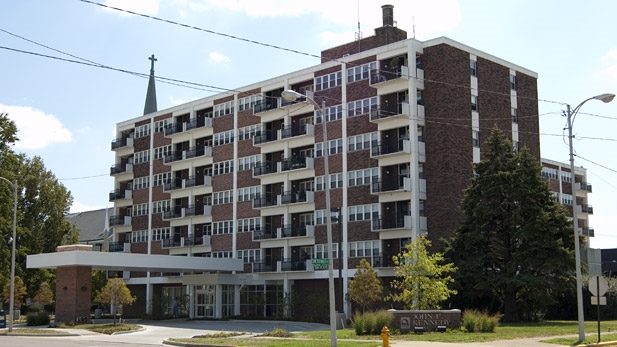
(73, 292)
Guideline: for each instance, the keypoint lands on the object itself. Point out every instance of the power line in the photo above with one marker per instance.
(81, 178)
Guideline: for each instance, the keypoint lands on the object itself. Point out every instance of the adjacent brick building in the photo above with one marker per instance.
(241, 174)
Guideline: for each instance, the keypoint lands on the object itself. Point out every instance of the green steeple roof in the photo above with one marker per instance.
(150, 105)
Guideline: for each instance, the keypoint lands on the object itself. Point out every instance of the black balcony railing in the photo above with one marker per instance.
(587, 209)
(388, 185)
(174, 212)
(292, 197)
(119, 143)
(293, 163)
(265, 200)
(291, 131)
(586, 187)
(289, 230)
(385, 111)
(384, 75)
(116, 220)
(264, 168)
(173, 242)
(194, 152)
(264, 267)
(265, 136)
(388, 223)
(380, 260)
(266, 104)
(117, 194)
(383, 148)
(173, 128)
(267, 233)
(116, 246)
(173, 156)
(293, 265)
(588, 232)
(173, 184)
(117, 168)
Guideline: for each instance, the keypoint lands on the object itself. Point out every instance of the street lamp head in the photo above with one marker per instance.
(605, 97)
(291, 95)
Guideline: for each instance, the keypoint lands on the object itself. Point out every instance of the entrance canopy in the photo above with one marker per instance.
(132, 262)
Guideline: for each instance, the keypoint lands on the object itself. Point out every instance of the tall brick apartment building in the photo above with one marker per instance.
(241, 174)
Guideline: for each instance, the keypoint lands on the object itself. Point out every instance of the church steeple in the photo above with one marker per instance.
(150, 105)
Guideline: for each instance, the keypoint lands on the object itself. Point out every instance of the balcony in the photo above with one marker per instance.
(379, 76)
(584, 186)
(293, 265)
(265, 200)
(382, 224)
(289, 131)
(265, 136)
(265, 234)
(174, 184)
(289, 230)
(187, 241)
(120, 168)
(197, 181)
(402, 184)
(266, 104)
(121, 142)
(193, 152)
(263, 267)
(387, 112)
(119, 220)
(381, 149)
(293, 197)
(264, 168)
(589, 232)
(117, 246)
(587, 209)
(173, 213)
(296, 163)
(379, 260)
(120, 194)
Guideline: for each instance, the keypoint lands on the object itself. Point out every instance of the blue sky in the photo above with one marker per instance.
(66, 112)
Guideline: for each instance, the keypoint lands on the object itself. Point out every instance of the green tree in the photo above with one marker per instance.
(42, 202)
(19, 294)
(115, 293)
(365, 288)
(422, 280)
(45, 295)
(514, 247)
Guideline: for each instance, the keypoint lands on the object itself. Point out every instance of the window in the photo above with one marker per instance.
(320, 217)
(332, 113)
(161, 152)
(140, 210)
(250, 255)
(160, 179)
(319, 183)
(362, 177)
(549, 173)
(514, 115)
(141, 157)
(222, 227)
(335, 146)
(336, 180)
(221, 198)
(161, 234)
(419, 98)
(360, 107)
(223, 138)
(159, 126)
(474, 103)
(515, 145)
(247, 102)
(321, 251)
(223, 109)
(475, 135)
(161, 206)
(139, 236)
(318, 149)
(364, 248)
(247, 163)
(248, 132)
(473, 67)
(142, 130)
(249, 224)
(566, 176)
(359, 142)
(328, 81)
(363, 212)
(361, 72)
(513, 82)
(141, 182)
(223, 167)
(248, 193)
(566, 199)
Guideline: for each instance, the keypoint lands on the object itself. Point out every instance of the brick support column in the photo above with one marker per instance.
(73, 289)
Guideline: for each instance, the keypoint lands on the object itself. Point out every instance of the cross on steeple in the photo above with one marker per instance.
(153, 59)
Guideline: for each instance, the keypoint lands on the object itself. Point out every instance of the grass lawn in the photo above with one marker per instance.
(502, 332)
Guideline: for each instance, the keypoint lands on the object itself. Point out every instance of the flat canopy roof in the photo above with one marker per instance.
(132, 262)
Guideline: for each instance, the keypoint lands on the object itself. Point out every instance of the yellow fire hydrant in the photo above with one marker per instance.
(385, 336)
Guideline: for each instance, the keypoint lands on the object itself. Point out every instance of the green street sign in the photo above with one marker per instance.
(320, 263)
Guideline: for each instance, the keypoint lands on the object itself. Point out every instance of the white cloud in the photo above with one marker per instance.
(139, 6)
(36, 129)
(218, 58)
(428, 17)
(175, 101)
(611, 59)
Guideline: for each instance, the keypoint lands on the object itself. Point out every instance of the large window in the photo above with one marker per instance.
(359, 107)
(363, 177)
(364, 141)
(328, 81)
(361, 72)
(363, 212)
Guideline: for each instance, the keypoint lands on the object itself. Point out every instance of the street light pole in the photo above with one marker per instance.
(12, 295)
(571, 114)
(292, 95)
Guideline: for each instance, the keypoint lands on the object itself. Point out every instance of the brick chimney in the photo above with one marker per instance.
(388, 15)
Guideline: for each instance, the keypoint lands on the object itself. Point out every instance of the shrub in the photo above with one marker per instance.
(40, 318)
(477, 321)
(277, 332)
(371, 323)
(33, 309)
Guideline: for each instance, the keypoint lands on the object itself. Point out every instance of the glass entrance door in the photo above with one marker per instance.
(204, 302)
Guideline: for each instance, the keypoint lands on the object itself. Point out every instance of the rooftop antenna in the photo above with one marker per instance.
(359, 33)
(413, 26)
